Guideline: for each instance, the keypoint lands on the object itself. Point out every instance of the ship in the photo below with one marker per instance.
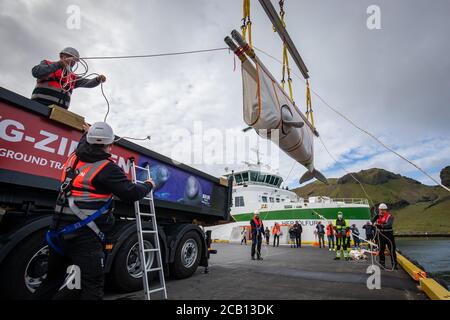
(259, 188)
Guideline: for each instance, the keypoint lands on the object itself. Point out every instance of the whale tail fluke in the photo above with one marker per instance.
(314, 174)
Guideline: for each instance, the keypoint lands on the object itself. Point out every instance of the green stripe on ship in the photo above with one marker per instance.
(359, 213)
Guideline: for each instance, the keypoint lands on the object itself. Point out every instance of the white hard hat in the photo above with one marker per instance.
(340, 214)
(257, 212)
(382, 206)
(100, 133)
(71, 52)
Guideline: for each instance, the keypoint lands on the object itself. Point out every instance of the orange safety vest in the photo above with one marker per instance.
(276, 230)
(330, 230)
(384, 219)
(82, 189)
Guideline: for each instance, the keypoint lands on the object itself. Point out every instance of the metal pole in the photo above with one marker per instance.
(282, 32)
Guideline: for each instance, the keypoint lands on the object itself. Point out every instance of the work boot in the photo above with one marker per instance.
(253, 258)
(259, 258)
(338, 255)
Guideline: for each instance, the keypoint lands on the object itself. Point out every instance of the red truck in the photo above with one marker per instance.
(33, 147)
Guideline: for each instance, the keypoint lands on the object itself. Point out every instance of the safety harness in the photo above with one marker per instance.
(65, 197)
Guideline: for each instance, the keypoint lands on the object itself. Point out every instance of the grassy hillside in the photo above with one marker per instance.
(417, 207)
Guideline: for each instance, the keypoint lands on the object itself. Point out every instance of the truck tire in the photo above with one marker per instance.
(126, 270)
(187, 256)
(25, 267)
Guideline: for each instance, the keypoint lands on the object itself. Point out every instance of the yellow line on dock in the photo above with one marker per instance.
(429, 286)
(434, 290)
(415, 272)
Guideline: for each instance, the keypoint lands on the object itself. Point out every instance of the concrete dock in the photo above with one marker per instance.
(285, 273)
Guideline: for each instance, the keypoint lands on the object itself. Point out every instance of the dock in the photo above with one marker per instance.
(286, 274)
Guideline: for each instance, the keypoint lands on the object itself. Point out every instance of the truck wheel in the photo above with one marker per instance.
(126, 271)
(187, 256)
(25, 268)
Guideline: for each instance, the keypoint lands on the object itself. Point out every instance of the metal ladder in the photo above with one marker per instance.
(141, 232)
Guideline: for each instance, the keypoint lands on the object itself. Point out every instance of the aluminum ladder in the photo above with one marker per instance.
(140, 216)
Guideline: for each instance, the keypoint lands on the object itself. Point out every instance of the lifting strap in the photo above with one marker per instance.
(285, 68)
(309, 110)
(247, 23)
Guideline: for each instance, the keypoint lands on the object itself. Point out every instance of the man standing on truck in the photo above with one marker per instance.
(88, 182)
(56, 80)
(257, 228)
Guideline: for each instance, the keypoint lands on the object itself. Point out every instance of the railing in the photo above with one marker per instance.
(339, 200)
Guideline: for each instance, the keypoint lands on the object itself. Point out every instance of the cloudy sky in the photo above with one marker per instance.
(394, 82)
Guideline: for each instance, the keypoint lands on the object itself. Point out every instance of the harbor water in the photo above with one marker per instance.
(433, 254)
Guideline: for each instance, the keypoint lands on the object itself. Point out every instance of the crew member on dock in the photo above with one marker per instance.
(276, 232)
(385, 234)
(330, 236)
(56, 80)
(341, 227)
(257, 227)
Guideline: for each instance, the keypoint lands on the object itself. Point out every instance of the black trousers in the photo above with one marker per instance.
(298, 240)
(321, 240)
(256, 245)
(387, 240)
(244, 240)
(277, 239)
(84, 251)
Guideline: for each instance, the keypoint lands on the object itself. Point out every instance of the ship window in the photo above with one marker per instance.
(245, 176)
(253, 175)
(278, 199)
(271, 199)
(239, 202)
(238, 178)
(272, 180)
(261, 177)
(267, 178)
(276, 181)
(264, 199)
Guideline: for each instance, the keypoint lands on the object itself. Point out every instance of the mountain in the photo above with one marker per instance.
(417, 208)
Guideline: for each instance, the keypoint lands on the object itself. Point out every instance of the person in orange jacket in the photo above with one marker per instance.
(276, 232)
(330, 236)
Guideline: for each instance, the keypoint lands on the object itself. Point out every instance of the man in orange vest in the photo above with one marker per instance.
(83, 215)
(276, 232)
(56, 80)
(384, 224)
(330, 236)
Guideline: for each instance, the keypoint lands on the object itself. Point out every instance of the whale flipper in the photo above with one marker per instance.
(314, 174)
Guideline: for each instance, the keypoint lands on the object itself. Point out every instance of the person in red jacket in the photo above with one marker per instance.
(276, 232)
(384, 224)
(257, 228)
(330, 236)
(56, 80)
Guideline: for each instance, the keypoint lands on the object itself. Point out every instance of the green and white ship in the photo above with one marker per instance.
(258, 189)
